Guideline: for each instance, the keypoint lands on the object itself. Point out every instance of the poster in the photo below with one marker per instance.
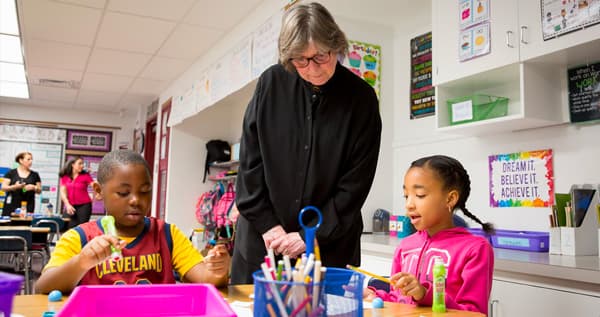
(564, 16)
(523, 179)
(473, 12)
(584, 93)
(90, 164)
(365, 61)
(474, 42)
(422, 92)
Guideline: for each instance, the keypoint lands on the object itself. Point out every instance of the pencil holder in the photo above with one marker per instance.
(555, 244)
(339, 294)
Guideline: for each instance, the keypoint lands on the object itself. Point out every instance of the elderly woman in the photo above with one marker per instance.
(310, 136)
(21, 184)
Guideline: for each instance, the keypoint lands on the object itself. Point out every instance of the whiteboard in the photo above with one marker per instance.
(47, 161)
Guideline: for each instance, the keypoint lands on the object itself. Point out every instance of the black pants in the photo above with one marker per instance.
(82, 214)
(242, 270)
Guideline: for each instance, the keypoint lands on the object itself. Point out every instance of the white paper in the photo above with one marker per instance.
(462, 111)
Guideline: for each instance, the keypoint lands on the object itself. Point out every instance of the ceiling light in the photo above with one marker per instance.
(12, 72)
(13, 81)
(10, 49)
(8, 17)
(15, 90)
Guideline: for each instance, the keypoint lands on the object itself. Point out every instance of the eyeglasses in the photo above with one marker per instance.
(320, 58)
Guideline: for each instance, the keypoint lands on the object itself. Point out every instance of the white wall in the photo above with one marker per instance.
(82, 118)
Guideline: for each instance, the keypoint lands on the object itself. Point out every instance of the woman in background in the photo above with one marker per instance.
(21, 184)
(74, 182)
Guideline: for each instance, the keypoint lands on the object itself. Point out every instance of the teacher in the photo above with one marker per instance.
(21, 184)
(74, 183)
(310, 136)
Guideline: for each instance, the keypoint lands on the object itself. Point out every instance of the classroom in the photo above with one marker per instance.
(508, 88)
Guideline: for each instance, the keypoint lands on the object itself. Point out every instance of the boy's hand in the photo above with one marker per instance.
(408, 285)
(217, 260)
(98, 250)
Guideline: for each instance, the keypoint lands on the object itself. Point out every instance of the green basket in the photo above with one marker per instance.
(476, 108)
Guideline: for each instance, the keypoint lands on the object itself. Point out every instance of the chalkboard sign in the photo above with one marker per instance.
(584, 93)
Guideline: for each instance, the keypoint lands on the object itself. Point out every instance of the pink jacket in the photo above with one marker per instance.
(469, 261)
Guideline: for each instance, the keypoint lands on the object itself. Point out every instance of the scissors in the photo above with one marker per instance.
(309, 231)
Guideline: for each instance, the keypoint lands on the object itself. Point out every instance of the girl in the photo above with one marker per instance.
(434, 187)
(74, 183)
(21, 184)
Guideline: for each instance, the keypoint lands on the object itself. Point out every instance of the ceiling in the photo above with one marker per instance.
(115, 55)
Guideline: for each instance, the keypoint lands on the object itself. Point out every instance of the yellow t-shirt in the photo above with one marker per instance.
(184, 255)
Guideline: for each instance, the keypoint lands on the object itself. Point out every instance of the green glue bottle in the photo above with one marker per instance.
(439, 286)
(108, 224)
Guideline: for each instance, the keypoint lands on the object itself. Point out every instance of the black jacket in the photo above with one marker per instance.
(303, 145)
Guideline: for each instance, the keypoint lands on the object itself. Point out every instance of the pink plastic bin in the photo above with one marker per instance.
(146, 300)
(10, 284)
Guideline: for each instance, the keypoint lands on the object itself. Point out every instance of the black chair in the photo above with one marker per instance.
(56, 225)
(17, 246)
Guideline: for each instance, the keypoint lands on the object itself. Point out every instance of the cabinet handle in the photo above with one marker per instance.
(523, 29)
(508, 36)
(493, 305)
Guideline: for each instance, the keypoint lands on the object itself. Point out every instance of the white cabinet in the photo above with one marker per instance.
(445, 37)
(521, 66)
(531, 39)
(514, 299)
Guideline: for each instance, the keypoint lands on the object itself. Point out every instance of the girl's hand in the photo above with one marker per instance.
(369, 294)
(408, 285)
(98, 250)
(217, 260)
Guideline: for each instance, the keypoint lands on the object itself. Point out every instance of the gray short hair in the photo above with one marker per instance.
(118, 158)
(303, 23)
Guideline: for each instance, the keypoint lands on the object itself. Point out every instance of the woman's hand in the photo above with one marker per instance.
(30, 187)
(18, 186)
(290, 244)
(408, 285)
(70, 209)
(98, 250)
(272, 234)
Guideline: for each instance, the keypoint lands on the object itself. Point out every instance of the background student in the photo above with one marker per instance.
(434, 188)
(74, 182)
(21, 184)
(311, 136)
(151, 249)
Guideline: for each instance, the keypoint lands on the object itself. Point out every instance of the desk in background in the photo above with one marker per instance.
(35, 305)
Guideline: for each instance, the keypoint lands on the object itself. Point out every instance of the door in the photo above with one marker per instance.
(163, 159)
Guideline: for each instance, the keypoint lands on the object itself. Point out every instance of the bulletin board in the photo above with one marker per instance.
(47, 161)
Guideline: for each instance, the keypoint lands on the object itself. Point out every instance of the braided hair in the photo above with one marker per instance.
(454, 176)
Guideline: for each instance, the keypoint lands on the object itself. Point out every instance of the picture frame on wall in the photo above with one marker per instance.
(88, 140)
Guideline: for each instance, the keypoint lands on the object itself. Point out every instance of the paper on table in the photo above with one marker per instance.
(242, 309)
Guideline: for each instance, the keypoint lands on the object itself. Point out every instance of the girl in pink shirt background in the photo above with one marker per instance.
(434, 188)
(74, 182)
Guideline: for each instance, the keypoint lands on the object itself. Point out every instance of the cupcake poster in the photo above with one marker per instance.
(365, 61)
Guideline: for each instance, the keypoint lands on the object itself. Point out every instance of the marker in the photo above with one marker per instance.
(273, 290)
(375, 276)
(288, 267)
(316, 281)
(108, 224)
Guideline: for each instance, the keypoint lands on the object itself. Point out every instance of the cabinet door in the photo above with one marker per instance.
(503, 36)
(511, 299)
(376, 264)
(531, 35)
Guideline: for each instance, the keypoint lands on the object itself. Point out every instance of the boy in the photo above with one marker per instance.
(151, 249)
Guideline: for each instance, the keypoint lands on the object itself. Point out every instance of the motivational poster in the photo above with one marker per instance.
(524, 179)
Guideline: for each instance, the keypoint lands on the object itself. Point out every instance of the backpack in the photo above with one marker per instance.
(223, 207)
(205, 207)
(216, 151)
